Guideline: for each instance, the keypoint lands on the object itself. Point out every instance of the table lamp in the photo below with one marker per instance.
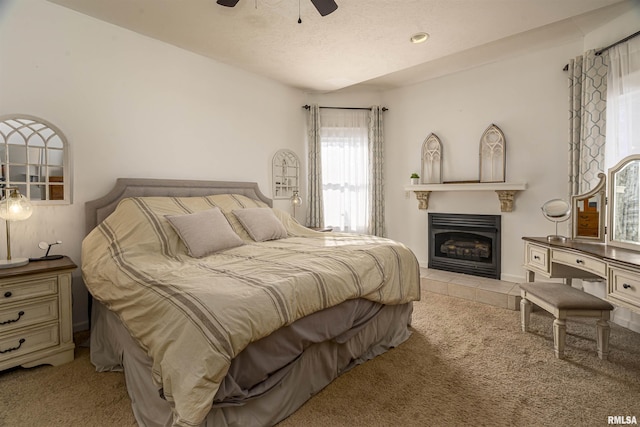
(13, 207)
(296, 200)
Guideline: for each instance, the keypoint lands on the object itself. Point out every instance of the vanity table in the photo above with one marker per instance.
(605, 238)
(577, 259)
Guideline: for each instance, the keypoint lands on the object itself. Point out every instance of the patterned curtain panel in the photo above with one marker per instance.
(587, 120)
(315, 216)
(376, 188)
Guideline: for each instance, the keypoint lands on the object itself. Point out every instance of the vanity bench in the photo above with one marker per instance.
(565, 301)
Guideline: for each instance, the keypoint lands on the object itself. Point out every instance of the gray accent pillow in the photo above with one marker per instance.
(261, 224)
(204, 232)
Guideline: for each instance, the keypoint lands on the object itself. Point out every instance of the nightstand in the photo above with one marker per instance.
(35, 314)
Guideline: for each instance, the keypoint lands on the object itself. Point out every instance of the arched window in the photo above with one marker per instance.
(34, 158)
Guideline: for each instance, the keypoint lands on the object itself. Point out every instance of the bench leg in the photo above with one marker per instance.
(525, 314)
(603, 329)
(559, 332)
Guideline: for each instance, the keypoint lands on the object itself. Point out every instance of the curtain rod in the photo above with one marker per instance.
(306, 107)
(604, 49)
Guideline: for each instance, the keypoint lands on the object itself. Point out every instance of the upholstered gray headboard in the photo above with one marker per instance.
(97, 210)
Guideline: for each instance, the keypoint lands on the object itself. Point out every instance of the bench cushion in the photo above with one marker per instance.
(564, 296)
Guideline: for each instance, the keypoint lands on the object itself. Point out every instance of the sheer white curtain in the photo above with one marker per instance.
(623, 132)
(345, 169)
(623, 101)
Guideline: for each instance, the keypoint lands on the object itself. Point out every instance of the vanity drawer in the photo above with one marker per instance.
(14, 316)
(582, 262)
(22, 290)
(537, 257)
(624, 285)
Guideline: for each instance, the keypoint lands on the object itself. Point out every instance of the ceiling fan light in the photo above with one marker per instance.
(420, 37)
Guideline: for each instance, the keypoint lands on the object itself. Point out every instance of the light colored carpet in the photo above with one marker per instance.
(465, 364)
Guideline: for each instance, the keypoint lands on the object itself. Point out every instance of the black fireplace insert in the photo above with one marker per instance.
(465, 243)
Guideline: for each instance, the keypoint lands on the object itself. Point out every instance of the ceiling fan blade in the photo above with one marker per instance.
(325, 7)
(228, 3)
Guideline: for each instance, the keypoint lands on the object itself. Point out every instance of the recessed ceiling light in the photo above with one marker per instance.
(419, 38)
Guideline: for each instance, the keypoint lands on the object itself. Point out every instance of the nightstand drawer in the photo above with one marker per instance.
(624, 285)
(14, 316)
(27, 341)
(22, 290)
(582, 262)
(537, 257)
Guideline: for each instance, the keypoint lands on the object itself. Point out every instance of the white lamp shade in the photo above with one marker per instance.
(15, 207)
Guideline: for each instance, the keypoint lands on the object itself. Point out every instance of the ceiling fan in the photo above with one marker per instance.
(324, 7)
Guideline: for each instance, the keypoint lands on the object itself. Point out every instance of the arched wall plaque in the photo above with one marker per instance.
(431, 168)
(493, 149)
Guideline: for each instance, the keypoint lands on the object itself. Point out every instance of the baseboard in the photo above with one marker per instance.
(627, 323)
(81, 326)
(512, 278)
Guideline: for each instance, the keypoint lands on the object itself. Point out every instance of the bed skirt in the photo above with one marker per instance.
(113, 349)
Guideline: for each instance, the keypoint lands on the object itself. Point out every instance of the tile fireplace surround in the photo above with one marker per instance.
(487, 291)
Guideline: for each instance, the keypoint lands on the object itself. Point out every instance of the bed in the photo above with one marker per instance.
(233, 328)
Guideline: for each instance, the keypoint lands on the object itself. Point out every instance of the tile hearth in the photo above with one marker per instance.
(487, 291)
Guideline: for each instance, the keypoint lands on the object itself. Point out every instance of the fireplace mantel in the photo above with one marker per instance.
(506, 191)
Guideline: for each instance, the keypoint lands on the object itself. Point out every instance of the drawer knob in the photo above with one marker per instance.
(6, 322)
(22, 340)
(8, 294)
(580, 261)
(626, 286)
(536, 257)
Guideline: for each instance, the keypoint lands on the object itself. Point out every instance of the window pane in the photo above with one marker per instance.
(17, 153)
(55, 157)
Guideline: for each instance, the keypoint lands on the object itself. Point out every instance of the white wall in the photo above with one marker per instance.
(527, 98)
(131, 106)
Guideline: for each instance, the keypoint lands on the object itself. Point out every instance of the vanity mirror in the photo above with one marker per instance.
(624, 203)
(556, 210)
(589, 213)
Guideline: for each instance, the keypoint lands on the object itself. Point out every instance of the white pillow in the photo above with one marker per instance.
(261, 224)
(204, 232)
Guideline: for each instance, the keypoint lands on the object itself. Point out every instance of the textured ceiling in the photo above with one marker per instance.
(364, 42)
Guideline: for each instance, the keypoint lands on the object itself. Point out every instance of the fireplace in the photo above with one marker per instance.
(464, 243)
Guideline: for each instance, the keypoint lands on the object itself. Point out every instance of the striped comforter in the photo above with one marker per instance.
(192, 316)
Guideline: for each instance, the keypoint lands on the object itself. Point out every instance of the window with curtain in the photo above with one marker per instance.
(344, 147)
(623, 132)
(623, 101)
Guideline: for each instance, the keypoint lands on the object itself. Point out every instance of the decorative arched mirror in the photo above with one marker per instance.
(589, 213)
(34, 158)
(556, 210)
(624, 203)
(286, 174)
